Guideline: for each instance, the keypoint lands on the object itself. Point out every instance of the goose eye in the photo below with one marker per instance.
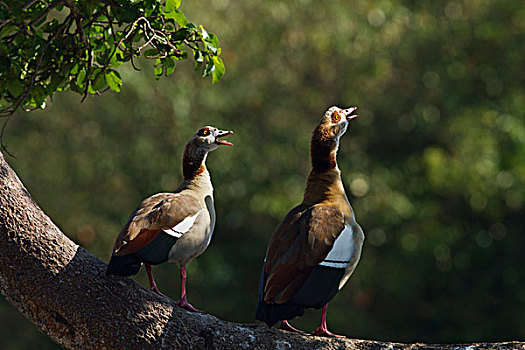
(204, 132)
(336, 117)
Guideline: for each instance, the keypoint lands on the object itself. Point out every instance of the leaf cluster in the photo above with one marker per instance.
(48, 46)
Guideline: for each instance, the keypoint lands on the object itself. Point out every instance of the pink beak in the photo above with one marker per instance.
(221, 133)
(350, 113)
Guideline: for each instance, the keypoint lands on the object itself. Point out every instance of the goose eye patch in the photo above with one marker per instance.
(336, 117)
(204, 132)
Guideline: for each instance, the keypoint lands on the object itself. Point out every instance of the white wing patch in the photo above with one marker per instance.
(182, 227)
(342, 251)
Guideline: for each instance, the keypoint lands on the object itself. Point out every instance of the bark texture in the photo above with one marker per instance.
(63, 290)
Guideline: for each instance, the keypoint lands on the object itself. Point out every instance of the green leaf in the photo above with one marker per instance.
(199, 59)
(7, 29)
(178, 17)
(198, 56)
(219, 70)
(99, 83)
(158, 69)
(210, 47)
(74, 69)
(151, 53)
(56, 79)
(181, 34)
(38, 95)
(204, 33)
(208, 69)
(113, 80)
(169, 64)
(81, 77)
(74, 87)
(172, 5)
(116, 60)
(214, 40)
(15, 87)
(4, 64)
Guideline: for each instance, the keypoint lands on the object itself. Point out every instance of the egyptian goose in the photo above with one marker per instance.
(175, 227)
(314, 250)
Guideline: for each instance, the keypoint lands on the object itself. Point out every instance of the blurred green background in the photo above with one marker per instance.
(434, 167)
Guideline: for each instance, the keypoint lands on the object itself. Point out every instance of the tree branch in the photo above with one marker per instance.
(63, 290)
(44, 13)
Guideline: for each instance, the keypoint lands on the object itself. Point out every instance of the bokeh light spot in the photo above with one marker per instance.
(376, 17)
(359, 186)
(484, 239)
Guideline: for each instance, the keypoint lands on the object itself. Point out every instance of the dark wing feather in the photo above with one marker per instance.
(158, 212)
(302, 240)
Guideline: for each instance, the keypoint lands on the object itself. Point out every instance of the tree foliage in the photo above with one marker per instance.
(55, 45)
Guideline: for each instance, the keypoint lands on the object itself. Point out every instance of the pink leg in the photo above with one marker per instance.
(152, 280)
(183, 302)
(322, 330)
(285, 325)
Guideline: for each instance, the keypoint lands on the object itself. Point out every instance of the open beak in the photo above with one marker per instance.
(350, 113)
(221, 133)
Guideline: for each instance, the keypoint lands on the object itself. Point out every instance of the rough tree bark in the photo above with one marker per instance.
(61, 288)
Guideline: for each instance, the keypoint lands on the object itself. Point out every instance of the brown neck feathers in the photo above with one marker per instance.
(323, 154)
(193, 163)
